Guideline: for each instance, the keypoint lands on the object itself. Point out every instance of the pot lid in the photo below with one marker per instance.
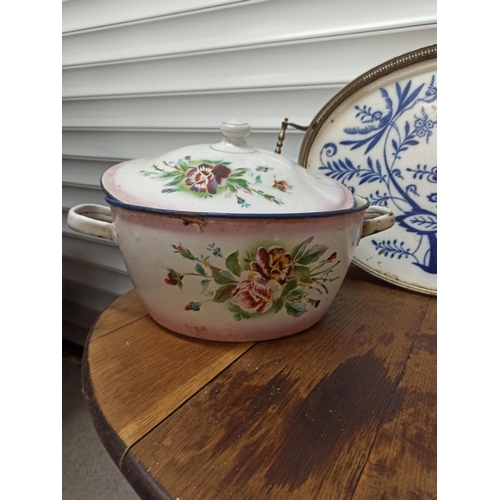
(230, 177)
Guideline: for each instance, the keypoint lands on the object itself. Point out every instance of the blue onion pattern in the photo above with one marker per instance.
(399, 124)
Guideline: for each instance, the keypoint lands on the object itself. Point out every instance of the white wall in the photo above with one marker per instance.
(142, 77)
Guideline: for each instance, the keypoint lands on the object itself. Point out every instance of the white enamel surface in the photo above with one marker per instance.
(149, 241)
(228, 177)
(405, 254)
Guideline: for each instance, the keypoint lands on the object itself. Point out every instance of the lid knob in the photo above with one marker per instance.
(235, 133)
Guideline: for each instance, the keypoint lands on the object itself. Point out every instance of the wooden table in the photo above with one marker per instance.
(345, 410)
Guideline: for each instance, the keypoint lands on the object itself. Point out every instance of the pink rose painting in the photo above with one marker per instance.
(270, 278)
(254, 293)
(283, 186)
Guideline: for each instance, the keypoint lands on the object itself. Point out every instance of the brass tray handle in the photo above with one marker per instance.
(281, 136)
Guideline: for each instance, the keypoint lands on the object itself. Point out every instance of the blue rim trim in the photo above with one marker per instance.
(111, 200)
(116, 203)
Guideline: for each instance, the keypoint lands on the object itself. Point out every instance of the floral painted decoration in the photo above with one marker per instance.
(283, 186)
(210, 178)
(267, 280)
(205, 178)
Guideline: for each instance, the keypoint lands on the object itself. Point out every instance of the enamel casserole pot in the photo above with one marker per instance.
(230, 243)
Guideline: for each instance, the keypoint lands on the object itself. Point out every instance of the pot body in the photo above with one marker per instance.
(236, 279)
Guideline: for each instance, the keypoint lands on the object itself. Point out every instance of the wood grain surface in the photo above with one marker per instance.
(123, 311)
(299, 417)
(402, 463)
(345, 410)
(138, 374)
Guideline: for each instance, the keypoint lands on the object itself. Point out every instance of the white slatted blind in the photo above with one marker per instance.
(144, 77)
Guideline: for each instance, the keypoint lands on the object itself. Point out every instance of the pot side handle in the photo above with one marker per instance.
(93, 220)
(377, 219)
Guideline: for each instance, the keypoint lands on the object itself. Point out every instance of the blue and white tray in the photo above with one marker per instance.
(378, 137)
